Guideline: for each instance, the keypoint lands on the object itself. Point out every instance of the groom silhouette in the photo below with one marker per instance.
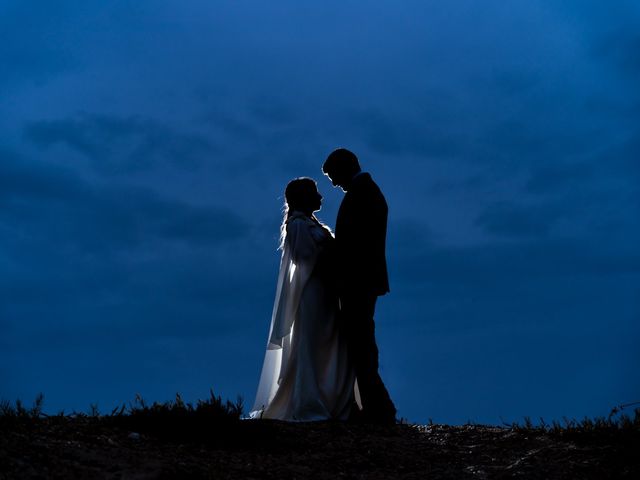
(361, 230)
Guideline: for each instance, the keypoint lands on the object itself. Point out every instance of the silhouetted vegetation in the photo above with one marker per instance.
(9, 412)
(615, 422)
(177, 415)
(176, 420)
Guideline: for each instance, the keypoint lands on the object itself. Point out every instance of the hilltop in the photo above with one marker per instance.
(181, 441)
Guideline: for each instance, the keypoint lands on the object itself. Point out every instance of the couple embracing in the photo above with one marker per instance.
(321, 361)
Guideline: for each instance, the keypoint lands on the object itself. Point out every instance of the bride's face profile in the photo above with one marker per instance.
(315, 200)
(311, 201)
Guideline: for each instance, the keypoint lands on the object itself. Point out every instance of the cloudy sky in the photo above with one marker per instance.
(145, 147)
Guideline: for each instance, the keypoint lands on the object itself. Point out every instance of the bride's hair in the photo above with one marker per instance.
(296, 196)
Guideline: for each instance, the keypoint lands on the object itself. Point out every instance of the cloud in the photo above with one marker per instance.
(492, 289)
(121, 144)
(509, 220)
(506, 261)
(20, 177)
(409, 235)
(389, 134)
(553, 178)
(532, 138)
(610, 31)
(230, 124)
(42, 199)
(82, 261)
(271, 111)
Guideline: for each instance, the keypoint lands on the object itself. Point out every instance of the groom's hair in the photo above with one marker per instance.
(343, 160)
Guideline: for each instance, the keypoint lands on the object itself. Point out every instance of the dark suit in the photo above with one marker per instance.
(361, 229)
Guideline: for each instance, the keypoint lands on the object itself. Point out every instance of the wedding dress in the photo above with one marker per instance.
(306, 374)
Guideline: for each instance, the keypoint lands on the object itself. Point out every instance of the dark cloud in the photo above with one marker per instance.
(170, 296)
(87, 261)
(84, 217)
(19, 177)
(509, 220)
(387, 134)
(230, 125)
(272, 112)
(409, 235)
(552, 178)
(532, 140)
(510, 261)
(120, 271)
(121, 145)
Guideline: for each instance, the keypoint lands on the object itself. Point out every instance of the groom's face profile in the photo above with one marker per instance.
(340, 167)
(338, 179)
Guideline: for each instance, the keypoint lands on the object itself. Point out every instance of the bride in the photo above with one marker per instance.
(306, 374)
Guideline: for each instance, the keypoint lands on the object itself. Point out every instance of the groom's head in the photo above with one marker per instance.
(341, 166)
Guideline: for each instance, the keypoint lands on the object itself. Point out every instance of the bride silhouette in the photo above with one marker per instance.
(306, 373)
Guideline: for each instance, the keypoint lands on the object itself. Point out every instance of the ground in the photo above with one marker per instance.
(101, 447)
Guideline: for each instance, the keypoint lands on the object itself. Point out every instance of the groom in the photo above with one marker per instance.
(361, 229)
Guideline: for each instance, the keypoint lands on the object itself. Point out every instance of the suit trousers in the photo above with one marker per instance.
(356, 312)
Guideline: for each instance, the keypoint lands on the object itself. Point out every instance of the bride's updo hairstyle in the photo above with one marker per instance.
(297, 195)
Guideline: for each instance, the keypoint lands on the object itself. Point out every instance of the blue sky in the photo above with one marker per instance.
(145, 147)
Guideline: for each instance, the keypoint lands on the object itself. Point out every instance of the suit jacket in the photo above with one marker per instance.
(361, 231)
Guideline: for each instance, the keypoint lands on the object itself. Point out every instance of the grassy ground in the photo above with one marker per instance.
(208, 440)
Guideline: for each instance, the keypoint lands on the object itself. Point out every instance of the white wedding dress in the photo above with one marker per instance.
(306, 374)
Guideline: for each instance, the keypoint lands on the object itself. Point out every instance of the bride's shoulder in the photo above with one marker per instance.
(298, 223)
(297, 220)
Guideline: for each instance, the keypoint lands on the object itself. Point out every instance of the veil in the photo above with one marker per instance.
(299, 256)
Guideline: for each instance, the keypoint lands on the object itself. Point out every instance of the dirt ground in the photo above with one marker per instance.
(70, 448)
